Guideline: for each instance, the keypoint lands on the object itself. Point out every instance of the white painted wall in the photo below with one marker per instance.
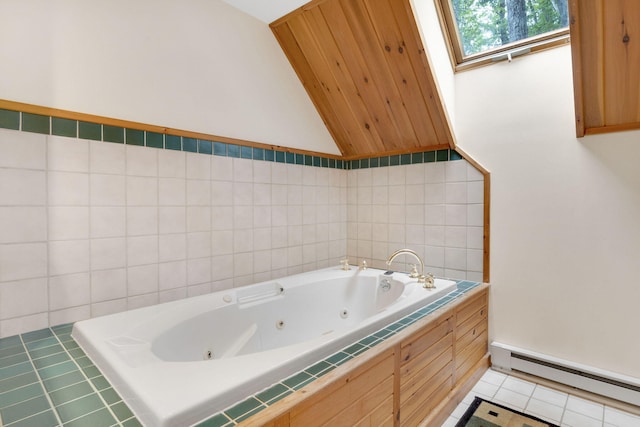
(198, 65)
(565, 234)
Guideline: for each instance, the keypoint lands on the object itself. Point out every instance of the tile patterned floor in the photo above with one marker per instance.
(557, 407)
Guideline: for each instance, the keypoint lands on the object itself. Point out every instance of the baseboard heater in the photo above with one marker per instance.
(620, 387)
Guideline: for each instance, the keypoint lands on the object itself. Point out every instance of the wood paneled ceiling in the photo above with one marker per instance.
(365, 68)
(605, 44)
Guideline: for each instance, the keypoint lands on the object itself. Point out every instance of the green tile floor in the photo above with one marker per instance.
(46, 380)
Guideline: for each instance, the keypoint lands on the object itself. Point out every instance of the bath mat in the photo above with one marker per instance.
(483, 413)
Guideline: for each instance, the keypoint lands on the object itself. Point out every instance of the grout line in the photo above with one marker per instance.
(40, 380)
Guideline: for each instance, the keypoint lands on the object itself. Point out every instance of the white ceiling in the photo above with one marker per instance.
(266, 10)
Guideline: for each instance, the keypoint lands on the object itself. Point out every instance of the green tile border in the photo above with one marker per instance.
(51, 125)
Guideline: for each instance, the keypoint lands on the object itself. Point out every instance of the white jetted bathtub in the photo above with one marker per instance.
(178, 363)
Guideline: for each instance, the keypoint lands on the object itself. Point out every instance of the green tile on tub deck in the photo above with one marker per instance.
(134, 137)
(64, 127)
(69, 393)
(45, 351)
(62, 381)
(132, 423)
(15, 370)
(154, 139)
(9, 119)
(273, 394)
(121, 411)
(13, 341)
(79, 407)
(18, 381)
(319, 368)
(14, 359)
(298, 380)
(43, 419)
(99, 418)
(113, 134)
(54, 359)
(24, 409)
(91, 131)
(14, 396)
(57, 370)
(244, 409)
(11, 351)
(100, 383)
(36, 123)
(110, 396)
(37, 335)
(219, 420)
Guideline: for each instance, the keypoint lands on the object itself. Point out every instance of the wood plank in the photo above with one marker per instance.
(344, 71)
(418, 343)
(621, 47)
(335, 399)
(479, 315)
(476, 348)
(373, 81)
(472, 307)
(403, 13)
(422, 360)
(361, 408)
(420, 403)
(424, 373)
(464, 340)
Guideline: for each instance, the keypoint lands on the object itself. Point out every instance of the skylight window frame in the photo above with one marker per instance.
(459, 62)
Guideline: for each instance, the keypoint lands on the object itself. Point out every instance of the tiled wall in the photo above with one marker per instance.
(434, 208)
(91, 227)
(96, 219)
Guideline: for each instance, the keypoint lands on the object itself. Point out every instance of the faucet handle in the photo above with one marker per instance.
(414, 271)
(345, 264)
(429, 281)
(363, 265)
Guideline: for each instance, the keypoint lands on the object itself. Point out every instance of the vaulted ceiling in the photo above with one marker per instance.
(365, 68)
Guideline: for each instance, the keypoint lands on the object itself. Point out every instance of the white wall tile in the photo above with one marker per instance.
(456, 193)
(108, 285)
(262, 172)
(68, 189)
(172, 247)
(198, 192)
(18, 325)
(397, 175)
(22, 150)
(142, 250)
(68, 315)
(222, 218)
(23, 224)
(142, 279)
(198, 166)
(172, 164)
(67, 154)
(434, 173)
(141, 161)
(455, 237)
(242, 170)
(221, 168)
(140, 301)
(108, 307)
(69, 291)
(475, 237)
(455, 171)
(23, 261)
(475, 215)
(455, 258)
(20, 187)
(198, 218)
(475, 192)
(172, 191)
(294, 174)
(456, 215)
(222, 193)
(172, 295)
(107, 158)
(142, 191)
(172, 275)
(23, 298)
(198, 271)
(172, 220)
(107, 190)
(415, 174)
(278, 173)
(68, 222)
(199, 244)
(142, 220)
(108, 253)
(108, 222)
(221, 267)
(69, 256)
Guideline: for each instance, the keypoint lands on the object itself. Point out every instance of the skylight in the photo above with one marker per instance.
(480, 31)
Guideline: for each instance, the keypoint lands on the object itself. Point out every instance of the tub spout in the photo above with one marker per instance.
(427, 281)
